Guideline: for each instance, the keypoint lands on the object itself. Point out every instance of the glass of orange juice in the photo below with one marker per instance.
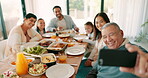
(62, 57)
(21, 64)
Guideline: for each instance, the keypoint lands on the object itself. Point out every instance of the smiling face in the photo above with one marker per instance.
(99, 22)
(30, 22)
(41, 24)
(112, 37)
(88, 29)
(57, 12)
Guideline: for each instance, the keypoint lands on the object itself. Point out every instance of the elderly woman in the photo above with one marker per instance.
(22, 34)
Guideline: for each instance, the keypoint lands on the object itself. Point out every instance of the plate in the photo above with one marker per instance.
(48, 34)
(64, 35)
(75, 50)
(60, 71)
(79, 37)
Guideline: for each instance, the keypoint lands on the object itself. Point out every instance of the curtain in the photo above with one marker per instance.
(130, 15)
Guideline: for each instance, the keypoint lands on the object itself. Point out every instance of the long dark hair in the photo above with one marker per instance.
(37, 28)
(97, 34)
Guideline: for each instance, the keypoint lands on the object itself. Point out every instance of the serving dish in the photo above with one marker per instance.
(56, 47)
(46, 42)
(49, 59)
(34, 51)
(37, 69)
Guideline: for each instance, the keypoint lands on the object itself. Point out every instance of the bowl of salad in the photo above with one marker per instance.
(37, 69)
(34, 51)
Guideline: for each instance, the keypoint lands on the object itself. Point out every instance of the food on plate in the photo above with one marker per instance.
(64, 35)
(45, 43)
(70, 44)
(37, 68)
(35, 50)
(9, 74)
(48, 58)
(66, 40)
(66, 31)
(53, 37)
(13, 63)
(58, 45)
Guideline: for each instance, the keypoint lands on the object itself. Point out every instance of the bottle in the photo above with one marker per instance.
(21, 64)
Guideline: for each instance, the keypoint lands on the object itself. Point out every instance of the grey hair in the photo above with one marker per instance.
(111, 24)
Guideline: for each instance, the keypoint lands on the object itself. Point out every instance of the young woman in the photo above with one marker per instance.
(99, 20)
(22, 34)
(40, 27)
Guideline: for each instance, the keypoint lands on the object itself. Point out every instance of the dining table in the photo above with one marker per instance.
(73, 60)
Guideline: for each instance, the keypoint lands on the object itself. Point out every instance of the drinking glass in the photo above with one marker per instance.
(62, 57)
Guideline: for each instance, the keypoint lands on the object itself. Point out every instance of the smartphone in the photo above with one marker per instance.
(114, 57)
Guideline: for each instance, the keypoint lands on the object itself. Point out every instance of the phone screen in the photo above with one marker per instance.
(114, 57)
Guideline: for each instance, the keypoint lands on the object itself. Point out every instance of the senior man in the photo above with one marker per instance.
(113, 38)
(61, 22)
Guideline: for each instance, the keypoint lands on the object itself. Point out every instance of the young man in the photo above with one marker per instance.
(61, 22)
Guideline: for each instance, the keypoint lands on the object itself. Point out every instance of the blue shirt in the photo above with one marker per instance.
(113, 71)
(53, 23)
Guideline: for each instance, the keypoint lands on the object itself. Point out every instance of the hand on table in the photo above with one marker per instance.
(80, 41)
(88, 62)
(76, 29)
(141, 67)
(60, 28)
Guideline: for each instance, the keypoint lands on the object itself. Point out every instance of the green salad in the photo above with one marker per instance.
(35, 50)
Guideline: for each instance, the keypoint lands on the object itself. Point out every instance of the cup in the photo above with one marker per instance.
(62, 58)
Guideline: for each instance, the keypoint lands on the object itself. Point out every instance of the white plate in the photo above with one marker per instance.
(79, 37)
(75, 50)
(60, 71)
(64, 35)
(48, 34)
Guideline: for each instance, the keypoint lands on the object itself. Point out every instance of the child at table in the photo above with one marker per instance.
(40, 26)
(89, 28)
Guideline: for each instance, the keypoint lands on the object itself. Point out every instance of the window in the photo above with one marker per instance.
(12, 13)
(82, 11)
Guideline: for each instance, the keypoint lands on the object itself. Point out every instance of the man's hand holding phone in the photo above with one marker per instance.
(141, 67)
